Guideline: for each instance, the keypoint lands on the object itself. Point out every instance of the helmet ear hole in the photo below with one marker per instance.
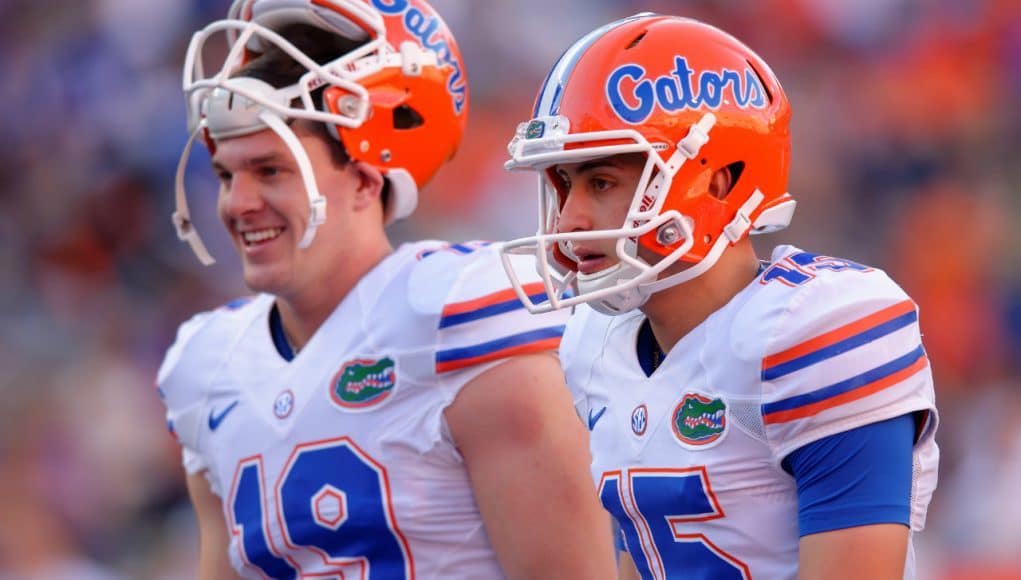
(721, 189)
(407, 118)
(736, 169)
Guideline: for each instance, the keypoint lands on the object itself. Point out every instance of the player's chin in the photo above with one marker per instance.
(267, 278)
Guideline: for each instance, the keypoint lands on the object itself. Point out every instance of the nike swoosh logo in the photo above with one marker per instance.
(592, 420)
(215, 419)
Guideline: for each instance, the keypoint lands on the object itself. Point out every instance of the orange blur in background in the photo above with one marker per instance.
(906, 129)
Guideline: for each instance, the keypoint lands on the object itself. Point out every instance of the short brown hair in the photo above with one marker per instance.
(279, 69)
(276, 67)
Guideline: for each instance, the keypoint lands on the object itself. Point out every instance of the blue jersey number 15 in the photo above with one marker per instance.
(657, 510)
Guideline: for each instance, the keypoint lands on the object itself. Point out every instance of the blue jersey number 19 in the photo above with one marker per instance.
(332, 500)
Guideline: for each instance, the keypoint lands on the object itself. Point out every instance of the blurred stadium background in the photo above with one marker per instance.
(906, 131)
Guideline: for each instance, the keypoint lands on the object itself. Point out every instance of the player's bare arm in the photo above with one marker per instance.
(748, 418)
(214, 563)
(875, 552)
(626, 567)
(317, 427)
(526, 454)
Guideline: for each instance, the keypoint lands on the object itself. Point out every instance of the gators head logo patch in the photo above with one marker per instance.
(536, 129)
(699, 421)
(363, 383)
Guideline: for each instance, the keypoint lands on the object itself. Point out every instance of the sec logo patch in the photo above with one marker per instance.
(640, 420)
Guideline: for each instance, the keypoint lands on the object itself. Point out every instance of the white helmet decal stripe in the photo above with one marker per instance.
(548, 102)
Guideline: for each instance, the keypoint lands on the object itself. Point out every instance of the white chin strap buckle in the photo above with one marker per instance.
(742, 221)
(186, 233)
(698, 135)
(316, 218)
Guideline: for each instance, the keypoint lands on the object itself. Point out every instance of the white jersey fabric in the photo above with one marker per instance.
(689, 459)
(338, 464)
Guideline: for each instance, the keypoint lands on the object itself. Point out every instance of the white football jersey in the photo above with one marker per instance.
(689, 459)
(338, 464)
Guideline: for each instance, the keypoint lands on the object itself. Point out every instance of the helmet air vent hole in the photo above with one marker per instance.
(636, 41)
(765, 85)
(407, 118)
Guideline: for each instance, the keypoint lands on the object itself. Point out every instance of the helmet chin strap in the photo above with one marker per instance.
(231, 115)
(733, 232)
(624, 300)
(627, 297)
(181, 217)
(316, 202)
(631, 296)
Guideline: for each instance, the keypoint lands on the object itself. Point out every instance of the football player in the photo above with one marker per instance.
(372, 412)
(748, 419)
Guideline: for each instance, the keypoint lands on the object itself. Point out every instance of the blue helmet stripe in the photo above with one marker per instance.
(548, 103)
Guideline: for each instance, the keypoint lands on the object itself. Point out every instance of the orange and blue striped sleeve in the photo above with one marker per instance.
(494, 326)
(817, 350)
(482, 320)
(842, 360)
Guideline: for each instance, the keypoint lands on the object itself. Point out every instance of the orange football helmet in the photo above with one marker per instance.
(692, 98)
(398, 102)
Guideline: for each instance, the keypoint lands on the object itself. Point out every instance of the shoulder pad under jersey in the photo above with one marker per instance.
(183, 377)
(480, 318)
(839, 346)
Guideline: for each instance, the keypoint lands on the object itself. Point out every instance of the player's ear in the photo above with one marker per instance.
(369, 185)
(721, 182)
(724, 180)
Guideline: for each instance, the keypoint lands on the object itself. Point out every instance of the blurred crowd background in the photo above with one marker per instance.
(906, 130)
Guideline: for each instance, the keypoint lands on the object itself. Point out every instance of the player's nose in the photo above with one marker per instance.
(241, 195)
(575, 214)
